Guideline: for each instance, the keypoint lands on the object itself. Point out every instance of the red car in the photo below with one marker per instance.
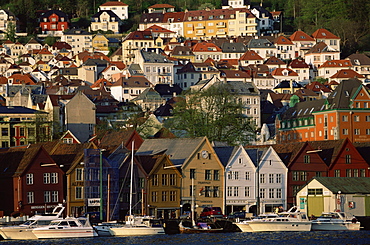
(212, 212)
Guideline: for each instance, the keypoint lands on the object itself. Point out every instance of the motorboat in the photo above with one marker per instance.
(244, 225)
(291, 220)
(24, 231)
(138, 225)
(335, 221)
(69, 227)
(200, 227)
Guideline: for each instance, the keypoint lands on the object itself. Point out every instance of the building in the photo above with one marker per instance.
(105, 20)
(118, 7)
(54, 22)
(79, 39)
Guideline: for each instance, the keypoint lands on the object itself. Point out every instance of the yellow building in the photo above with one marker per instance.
(100, 44)
(204, 24)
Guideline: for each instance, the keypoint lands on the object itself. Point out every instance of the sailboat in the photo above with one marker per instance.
(200, 227)
(134, 225)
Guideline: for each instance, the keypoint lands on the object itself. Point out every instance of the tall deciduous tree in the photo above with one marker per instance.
(216, 113)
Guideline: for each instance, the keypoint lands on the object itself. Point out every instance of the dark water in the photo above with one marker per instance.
(317, 237)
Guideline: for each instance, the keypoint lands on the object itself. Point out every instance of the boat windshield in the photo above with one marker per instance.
(29, 222)
(330, 215)
(54, 222)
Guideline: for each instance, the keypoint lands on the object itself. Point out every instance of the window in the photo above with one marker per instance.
(216, 174)
(247, 175)
(29, 179)
(296, 189)
(262, 178)
(46, 178)
(236, 191)
(54, 196)
(4, 131)
(247, 191)
(345, 118)
(278, 193)
(278, 178)
(207, 191)
(216, 191)
(306, 159)
(54, 178)
(154, 196)
(337, 173)
(172, 179)
(164, 196)
(155, 180)
(356, 118)
(208, 175)
(30, 197)
(271, 178)
(172, 196)
(345, 131)
(229, 191)
(303, 176)
(295, 176)
(357, 131)
(47, 196)
(262, 193)
(348, 159)
(348, 172)
(355, 173)
(164, 179)
(21, 132)
(236, 175)
(271, 193)
(192, 173)
(79, 174)
(79, 194)
(362, 173)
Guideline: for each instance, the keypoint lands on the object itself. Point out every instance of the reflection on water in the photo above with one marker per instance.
(316, 237)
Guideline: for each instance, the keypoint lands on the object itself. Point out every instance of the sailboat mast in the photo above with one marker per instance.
(131, 177)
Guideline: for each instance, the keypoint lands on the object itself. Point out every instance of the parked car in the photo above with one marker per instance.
(237, 214)
(212, 212)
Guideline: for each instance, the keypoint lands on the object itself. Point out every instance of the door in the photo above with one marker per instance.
(315, 205)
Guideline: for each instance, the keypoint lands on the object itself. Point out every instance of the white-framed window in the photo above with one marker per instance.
(54, 178)
(271, 193)
(79, 192)
(46, 178)
(236, 175)
(247, 175)
(247, 192)
(29, 179)
(79, 174)
(278, 193)
(262, 178)
(236, 191)
(271, 178)
(30, 197)
(47, 196)
(229, 191)
(262, 193)
(54, 196)
(278, 178)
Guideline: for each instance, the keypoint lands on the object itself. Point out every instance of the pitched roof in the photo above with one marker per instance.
(298, 63)
(206, 47)
(250, 55)
(281, 40)
(158, 29)
(179, 149)
(359, 59)
(114, 3)
(336, 63)
(280, 72)
(158, 6)
(300, 36)
(342, 95)
(347, 185)
(324, 34)
(274, 61)
(347, 73)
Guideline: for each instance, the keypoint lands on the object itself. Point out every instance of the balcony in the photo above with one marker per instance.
(221, 32)
(199, 34)
(199, 27)
(221, 25)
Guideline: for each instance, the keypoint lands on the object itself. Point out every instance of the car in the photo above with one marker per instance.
(212, 212)
(237, 214)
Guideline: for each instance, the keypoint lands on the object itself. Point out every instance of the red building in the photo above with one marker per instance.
(38, 182)
(53, 22)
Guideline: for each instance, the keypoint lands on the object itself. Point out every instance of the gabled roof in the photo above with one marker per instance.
(114, 3)
(260, 43)
(281, 40)
(158, 29)
(234, 74)
(347, 185)
(109, 12)
(179, 149)
(274, 61)
(336, 63)
(139, 35)
(346, 73)
(300, 36)
(153, 57)
(206, 47)
(342, 95)
(359, 59)
(320, 47)
(303, 109)
(182, 50)
(133, 81)
(324, 34)
(228, 47)
(158, 6)
(317, 87)
(250, 55)
(298, 63)
(280, 72)
(225, 153)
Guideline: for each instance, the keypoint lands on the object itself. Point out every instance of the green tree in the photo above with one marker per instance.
(216, 113)
(10, 32)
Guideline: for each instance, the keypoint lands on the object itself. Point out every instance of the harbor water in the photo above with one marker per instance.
(312, 237)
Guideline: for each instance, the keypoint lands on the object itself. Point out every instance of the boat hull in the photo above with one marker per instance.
(137, 231)
(244, 226)
(15, 233)
(335, 226)
(64, 233)
(258, 226)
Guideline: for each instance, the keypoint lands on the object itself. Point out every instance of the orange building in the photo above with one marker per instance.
(344, 114)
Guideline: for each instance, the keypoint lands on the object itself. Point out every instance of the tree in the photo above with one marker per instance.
(10, 32)
(216, 113)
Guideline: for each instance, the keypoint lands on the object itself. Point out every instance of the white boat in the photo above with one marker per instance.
(69, 227)
(137, 226)
(335, 221)
(244, 225)
(286, 221)
(24, 231)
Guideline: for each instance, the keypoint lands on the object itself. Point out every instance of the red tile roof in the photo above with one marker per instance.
(114, 3)
(159, 6)
(279, 72)
(297, 63)
(300, 36)
(158, 29)
(347, 73)
(206, 47)
(324, 34)
(283, 41)
(250, 55)
(336, 63)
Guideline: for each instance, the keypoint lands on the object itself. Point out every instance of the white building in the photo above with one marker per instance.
(118, 7)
